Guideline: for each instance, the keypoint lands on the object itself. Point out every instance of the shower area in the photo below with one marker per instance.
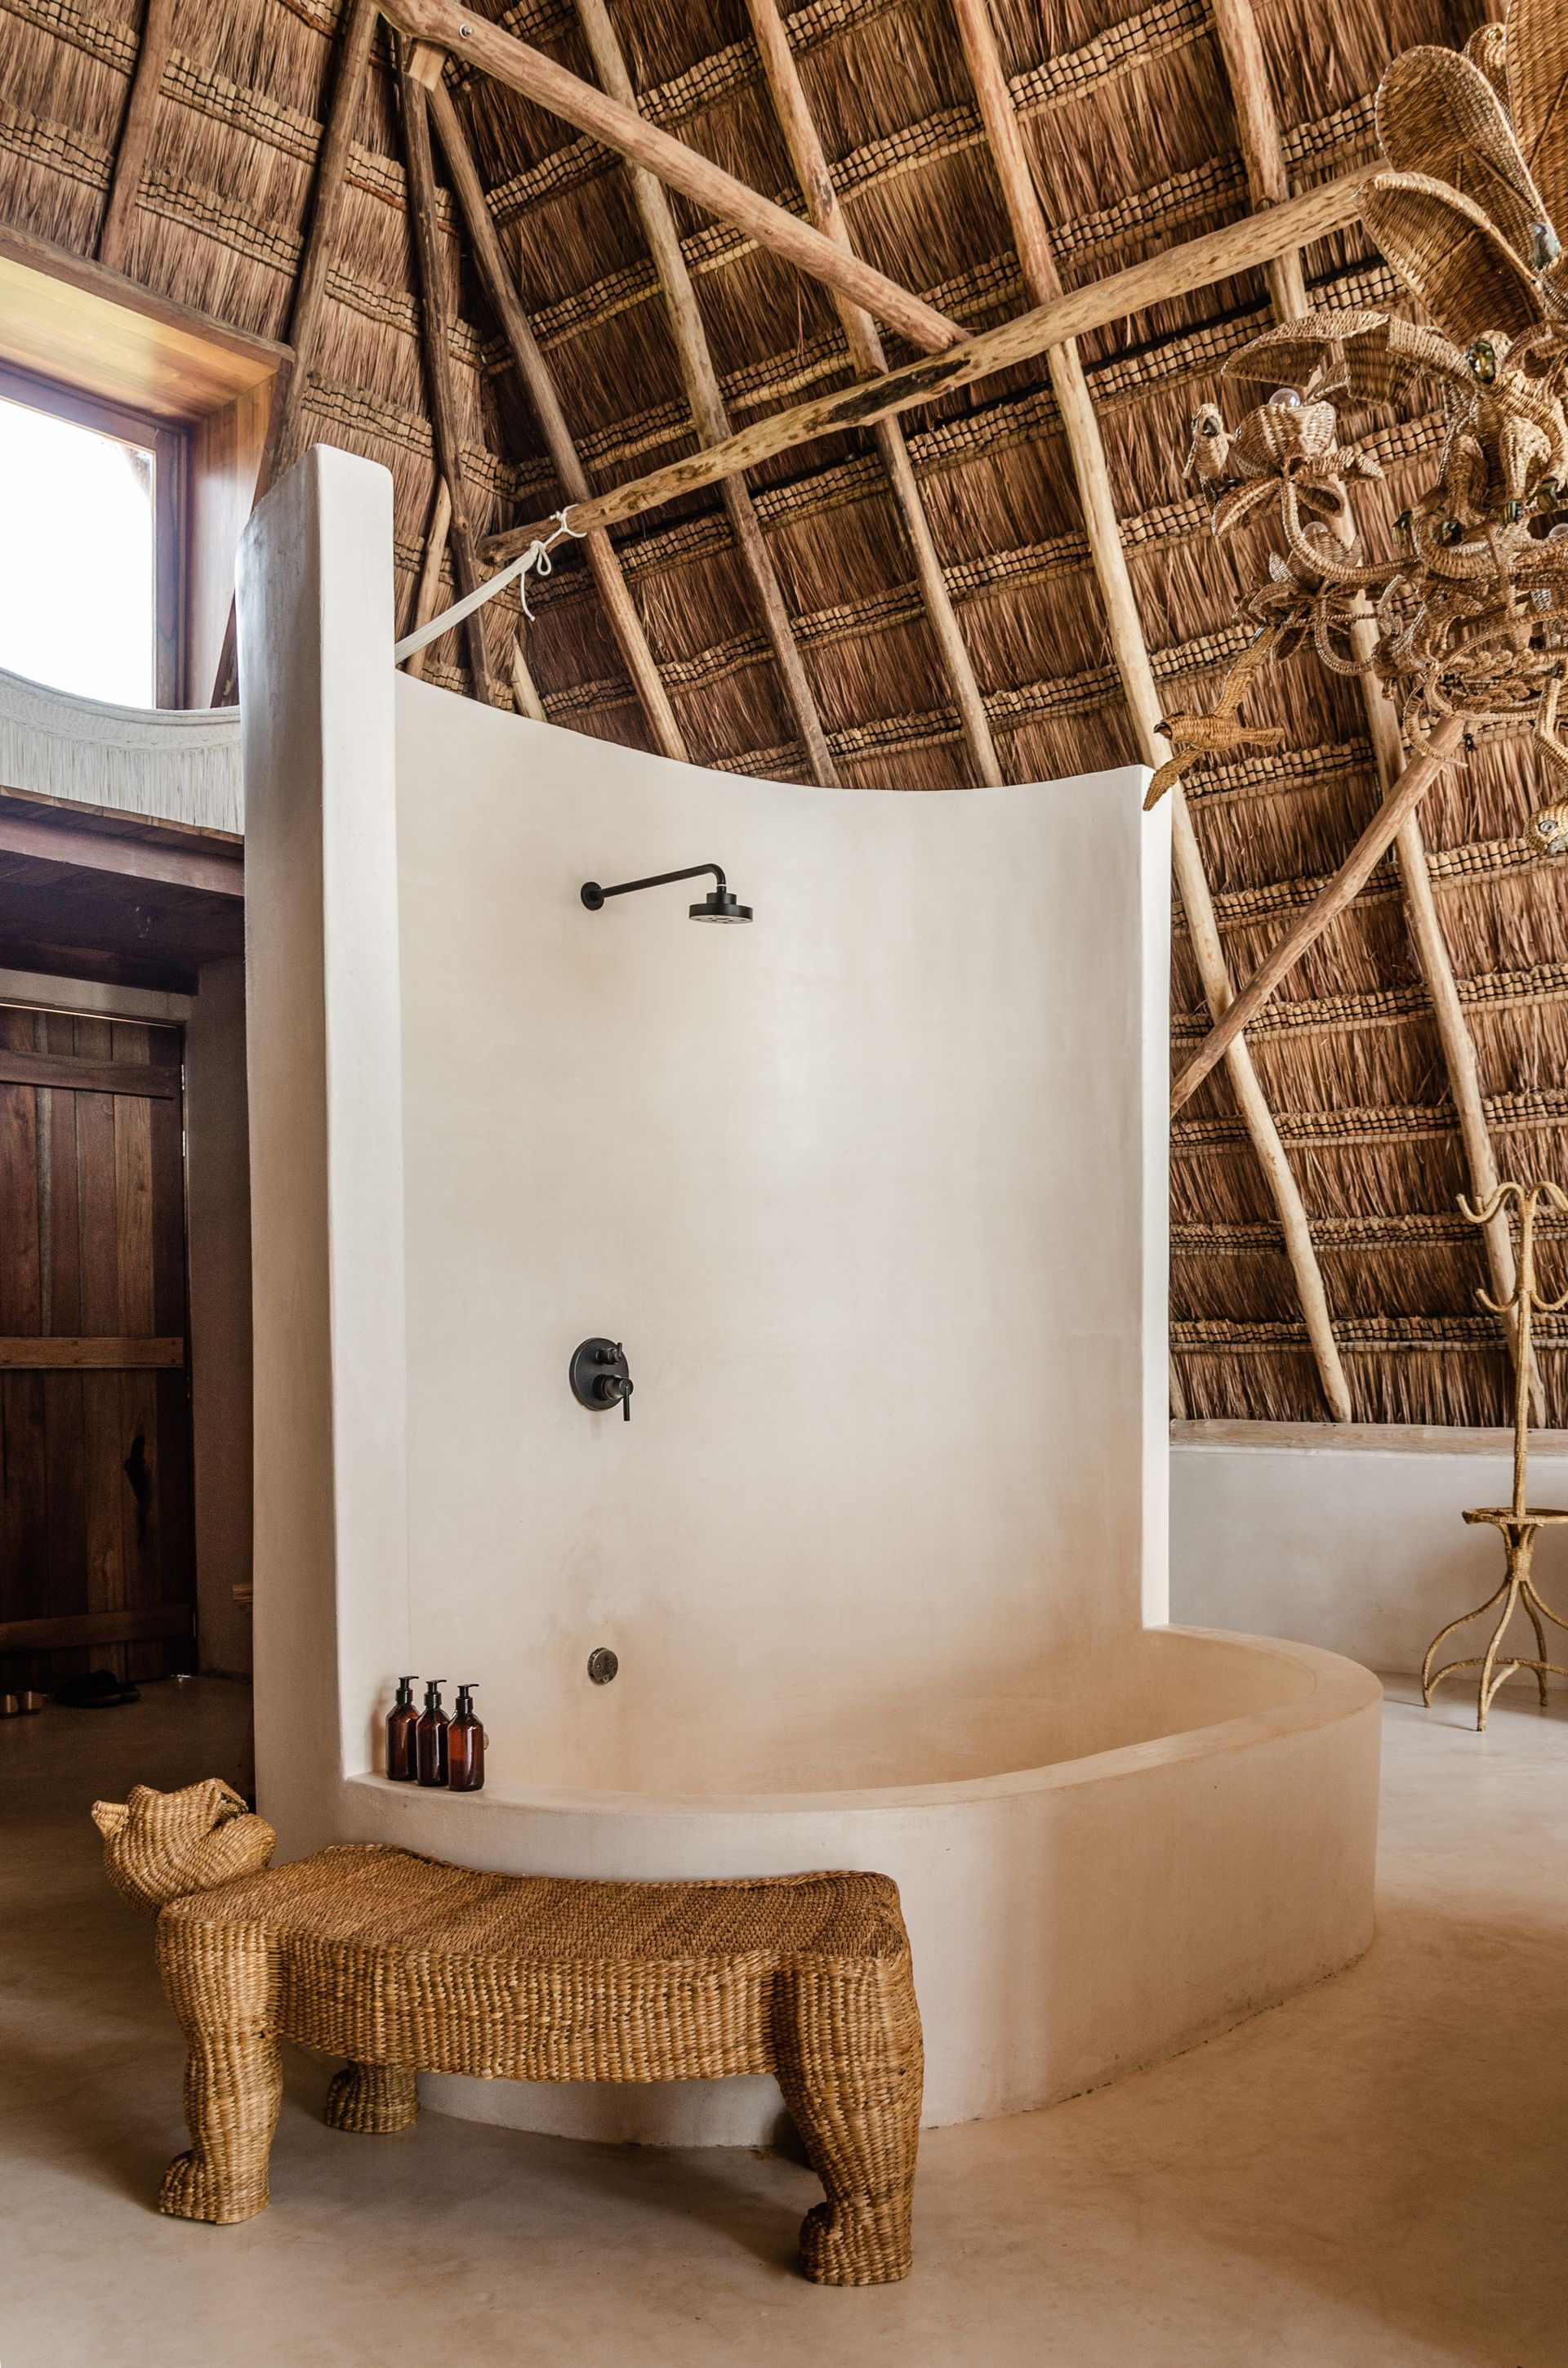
(865, 1199)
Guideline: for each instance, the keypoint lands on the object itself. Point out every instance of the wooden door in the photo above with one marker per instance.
(96, 1566)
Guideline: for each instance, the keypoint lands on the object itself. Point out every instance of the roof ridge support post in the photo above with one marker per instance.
(538, 385)
(816, 176)
(609, 115)
(702, 380)
(1200, 262)
(436, 336)
(136, 133)
(1032, 238)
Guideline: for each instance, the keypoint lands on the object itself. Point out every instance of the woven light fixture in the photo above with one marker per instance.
(1464, 611)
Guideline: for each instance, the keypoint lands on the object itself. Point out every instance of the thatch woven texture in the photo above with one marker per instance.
(1128, 120)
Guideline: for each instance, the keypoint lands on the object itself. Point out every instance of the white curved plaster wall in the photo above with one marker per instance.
(873, 1191)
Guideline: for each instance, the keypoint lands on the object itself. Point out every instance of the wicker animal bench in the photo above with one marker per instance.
(402, 1965)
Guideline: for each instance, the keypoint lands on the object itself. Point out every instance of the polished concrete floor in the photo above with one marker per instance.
(1374, 2173)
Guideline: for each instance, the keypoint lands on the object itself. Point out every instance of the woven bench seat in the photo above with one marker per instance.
(404, 1965)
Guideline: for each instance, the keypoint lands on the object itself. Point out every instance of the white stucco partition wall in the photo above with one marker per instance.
(873, 1190)
(315, 623)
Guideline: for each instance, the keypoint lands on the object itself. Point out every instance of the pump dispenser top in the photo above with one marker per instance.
(402, 1721)
(431, 1735)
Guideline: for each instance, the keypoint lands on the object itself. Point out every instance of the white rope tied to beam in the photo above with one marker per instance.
(535, 560)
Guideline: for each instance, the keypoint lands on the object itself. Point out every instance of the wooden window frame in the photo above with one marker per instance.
(170, 446)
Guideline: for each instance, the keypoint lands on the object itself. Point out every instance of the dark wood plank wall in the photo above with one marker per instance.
(95, 1527)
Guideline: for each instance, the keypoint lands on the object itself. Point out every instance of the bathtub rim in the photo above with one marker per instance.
(1340, 1690)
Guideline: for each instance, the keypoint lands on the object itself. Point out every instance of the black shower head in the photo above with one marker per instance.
(718, 905)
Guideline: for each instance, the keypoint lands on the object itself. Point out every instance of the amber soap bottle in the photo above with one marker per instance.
(430, 1736)
(402, 1719)
(465, 1747)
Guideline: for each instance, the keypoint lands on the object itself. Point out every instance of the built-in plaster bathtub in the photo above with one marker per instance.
(874, 1191)
(1208, 1849)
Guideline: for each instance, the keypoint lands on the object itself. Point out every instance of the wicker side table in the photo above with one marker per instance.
(404, 1965)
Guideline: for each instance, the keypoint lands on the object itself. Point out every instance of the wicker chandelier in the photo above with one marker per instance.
(1463, 610)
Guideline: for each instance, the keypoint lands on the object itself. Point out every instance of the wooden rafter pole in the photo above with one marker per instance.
(1175, 271)
(136, 133)
(427, 591)
(1328, 904)
(815, 177)
(326, 207)
(1263, 154)
(436, 335)
(610, 115)
(1031, 237)
(539, 386)
(284, 440)
(707, 403)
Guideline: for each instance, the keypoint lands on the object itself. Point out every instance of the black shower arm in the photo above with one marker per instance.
(593, 895)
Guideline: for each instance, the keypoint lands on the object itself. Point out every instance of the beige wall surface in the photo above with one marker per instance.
(863, 1188)
(1348, 1537)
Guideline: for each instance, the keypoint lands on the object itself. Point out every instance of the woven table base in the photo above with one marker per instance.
(402, 1965)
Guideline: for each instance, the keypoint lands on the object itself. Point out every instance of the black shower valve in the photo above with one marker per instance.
(599, 1376)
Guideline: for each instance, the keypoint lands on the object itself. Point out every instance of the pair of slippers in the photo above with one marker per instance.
(99, 1690)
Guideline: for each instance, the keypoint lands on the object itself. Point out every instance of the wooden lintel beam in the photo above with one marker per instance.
(136, 133)
(133, 859)
(434, 329)
(538, 385)
(814, 175)
(606, 116)
(1175, 271)
(703, 394)
(1031, 237)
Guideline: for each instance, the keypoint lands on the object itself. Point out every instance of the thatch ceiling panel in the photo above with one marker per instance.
(1128, 121)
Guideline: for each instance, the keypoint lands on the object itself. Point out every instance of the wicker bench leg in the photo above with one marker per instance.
(374, 2100)
(221, 1987)
(849, 2063)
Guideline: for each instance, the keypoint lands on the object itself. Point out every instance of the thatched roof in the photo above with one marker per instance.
(1128, 120)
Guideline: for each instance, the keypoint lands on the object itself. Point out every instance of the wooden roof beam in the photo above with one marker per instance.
(1031, 237)
(1263, 150)
(136, 133)
(705, 401)
(539, 386)
(610, 115)
(1175, 271)
(327, 206)
(436, 336)
(811, 168)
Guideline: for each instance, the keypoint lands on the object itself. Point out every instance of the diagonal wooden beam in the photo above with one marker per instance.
(812, 169)
(705, 399)
(136, 133)
(539, 386)
(436, 336)
(1175, 271)
(610, 115)
(1037, 255)
(1328, 904)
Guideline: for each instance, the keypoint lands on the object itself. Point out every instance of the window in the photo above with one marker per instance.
(90, 497)
(77, 593)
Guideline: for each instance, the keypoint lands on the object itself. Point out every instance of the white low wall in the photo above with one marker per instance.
(1348, 1536)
